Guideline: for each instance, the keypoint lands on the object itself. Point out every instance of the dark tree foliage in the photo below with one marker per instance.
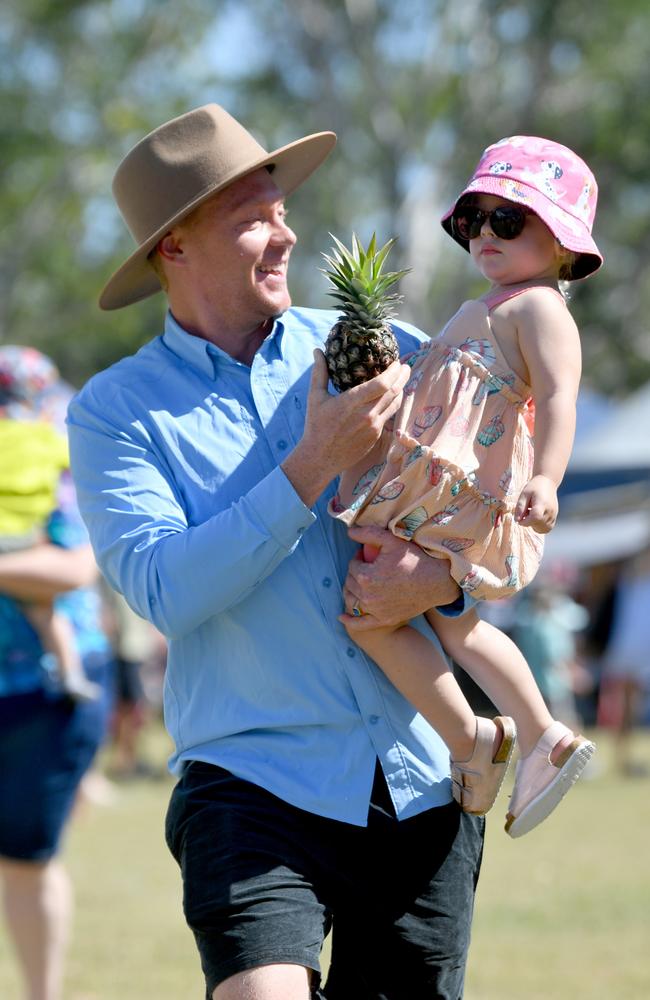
(415, 91)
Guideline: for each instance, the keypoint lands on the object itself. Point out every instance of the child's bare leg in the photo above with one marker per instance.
(480, 749)
(420, 672)
(55, 634)
(495, 663)
(553, 757)
(57, 638)
(498, 667)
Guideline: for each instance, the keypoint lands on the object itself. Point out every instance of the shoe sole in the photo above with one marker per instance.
(547, 800)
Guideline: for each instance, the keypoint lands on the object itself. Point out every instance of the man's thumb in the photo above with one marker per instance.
(319, 375)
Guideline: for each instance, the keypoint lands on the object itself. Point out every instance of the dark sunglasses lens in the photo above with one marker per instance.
(467, 221)
(508, 223)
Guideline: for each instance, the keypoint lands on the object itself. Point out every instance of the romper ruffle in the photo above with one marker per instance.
(448, 472)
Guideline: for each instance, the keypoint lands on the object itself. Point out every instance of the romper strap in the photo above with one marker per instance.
(495, 299)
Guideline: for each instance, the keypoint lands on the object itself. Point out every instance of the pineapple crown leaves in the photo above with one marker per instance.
(357, 275)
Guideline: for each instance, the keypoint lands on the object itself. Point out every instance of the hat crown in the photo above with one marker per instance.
(172, 167)
(25, 372)
(551, 169)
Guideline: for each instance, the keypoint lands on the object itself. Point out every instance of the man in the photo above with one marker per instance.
(310, 793)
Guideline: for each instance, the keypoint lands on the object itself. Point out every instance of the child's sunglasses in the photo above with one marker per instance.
(506, 221)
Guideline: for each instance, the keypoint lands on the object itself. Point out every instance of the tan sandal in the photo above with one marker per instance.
(476, 782)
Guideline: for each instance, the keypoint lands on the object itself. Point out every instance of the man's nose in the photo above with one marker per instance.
(282, 233)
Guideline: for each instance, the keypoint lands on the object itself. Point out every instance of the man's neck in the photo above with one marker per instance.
(242, 345)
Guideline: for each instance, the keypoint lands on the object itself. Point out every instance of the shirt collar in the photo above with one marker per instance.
(202, 353)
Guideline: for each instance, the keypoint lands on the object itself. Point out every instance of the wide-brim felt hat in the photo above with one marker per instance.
(178, 166)
(549, 179)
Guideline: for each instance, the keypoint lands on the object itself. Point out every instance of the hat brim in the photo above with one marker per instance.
(568, 230)
(292, 164)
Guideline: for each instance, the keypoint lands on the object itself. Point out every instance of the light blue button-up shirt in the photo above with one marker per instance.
(176, 456)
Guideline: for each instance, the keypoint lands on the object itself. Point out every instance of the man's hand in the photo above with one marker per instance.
(340, 429)
(537, 505)
(401, 583)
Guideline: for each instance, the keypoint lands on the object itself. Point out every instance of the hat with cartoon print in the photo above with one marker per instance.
(31, 387)
(547, 178)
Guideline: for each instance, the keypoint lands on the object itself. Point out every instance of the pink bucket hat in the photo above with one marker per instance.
(549, 179)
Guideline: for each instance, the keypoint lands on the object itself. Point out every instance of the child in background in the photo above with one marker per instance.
(34, 454)
(457, 474)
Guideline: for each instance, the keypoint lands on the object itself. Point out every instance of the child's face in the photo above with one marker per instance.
(532, 254)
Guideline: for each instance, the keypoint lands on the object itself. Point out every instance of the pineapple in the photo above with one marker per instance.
(361, 344)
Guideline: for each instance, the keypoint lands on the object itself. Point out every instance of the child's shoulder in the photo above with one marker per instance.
(521, 298)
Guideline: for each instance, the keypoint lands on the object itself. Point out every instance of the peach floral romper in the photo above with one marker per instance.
(449, 468)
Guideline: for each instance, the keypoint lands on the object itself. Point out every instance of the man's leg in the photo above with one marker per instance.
(270, 982)
(250, 865)
(403, 931)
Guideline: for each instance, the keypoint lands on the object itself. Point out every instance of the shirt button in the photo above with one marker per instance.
(351, 652)
(282, 444)
(373, 719)
(327, 582)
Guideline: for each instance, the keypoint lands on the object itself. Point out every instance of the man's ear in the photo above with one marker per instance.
(170, 247)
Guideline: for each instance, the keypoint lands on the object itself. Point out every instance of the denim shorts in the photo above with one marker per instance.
(46, 745)
(264, 882)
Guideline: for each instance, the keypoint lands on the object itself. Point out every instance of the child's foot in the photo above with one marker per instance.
(79, 688)
(476, 781)
(543, 777)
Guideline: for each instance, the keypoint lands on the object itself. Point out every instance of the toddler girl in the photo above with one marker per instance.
(456, 472)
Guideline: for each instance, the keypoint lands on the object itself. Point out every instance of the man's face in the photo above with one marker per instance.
(236, 248)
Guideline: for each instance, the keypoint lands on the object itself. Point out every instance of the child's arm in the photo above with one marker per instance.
(550, 345)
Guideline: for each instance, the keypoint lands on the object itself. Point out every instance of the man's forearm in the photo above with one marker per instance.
(43, 571)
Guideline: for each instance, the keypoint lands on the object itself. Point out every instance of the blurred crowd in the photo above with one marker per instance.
(585, 632)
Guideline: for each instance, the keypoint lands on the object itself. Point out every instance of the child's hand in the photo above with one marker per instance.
(537, 505)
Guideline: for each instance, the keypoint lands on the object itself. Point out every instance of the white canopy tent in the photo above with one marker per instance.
(605, 499)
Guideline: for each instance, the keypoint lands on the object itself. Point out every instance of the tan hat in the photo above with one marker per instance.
(181, 164)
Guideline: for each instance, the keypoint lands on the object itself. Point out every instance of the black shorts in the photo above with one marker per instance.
(264, 882)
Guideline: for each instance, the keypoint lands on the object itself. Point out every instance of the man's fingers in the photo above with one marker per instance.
(392, 380)
(368, 534)
(364, 623)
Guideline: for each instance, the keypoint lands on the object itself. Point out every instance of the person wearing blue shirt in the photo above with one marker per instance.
(310, 793)
(48, 737)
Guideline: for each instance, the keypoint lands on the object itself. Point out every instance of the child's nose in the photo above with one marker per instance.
(486, 227)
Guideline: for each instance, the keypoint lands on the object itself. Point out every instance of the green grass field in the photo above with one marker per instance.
(561, 913)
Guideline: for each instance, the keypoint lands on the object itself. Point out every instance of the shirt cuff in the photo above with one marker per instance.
(281, 509)
(458, 607)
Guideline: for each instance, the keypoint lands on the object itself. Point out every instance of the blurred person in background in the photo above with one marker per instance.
(136, 645)
(48, 735)
(545, 627)
(626, 663)
(34, 454)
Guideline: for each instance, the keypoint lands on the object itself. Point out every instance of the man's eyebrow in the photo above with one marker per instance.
(250, 202)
